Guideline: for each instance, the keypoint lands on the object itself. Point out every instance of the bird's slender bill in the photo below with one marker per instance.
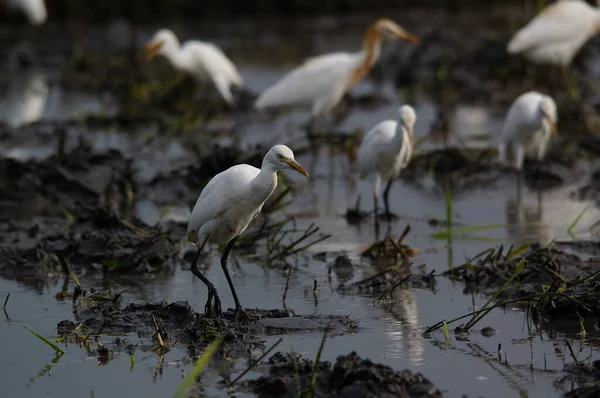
(153, 48)
(296, 166)
(553, 127)
(403, 34)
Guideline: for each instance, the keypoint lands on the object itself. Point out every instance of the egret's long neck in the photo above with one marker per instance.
(264, 184)
(401, 130)
(171, 50)
(368, 56)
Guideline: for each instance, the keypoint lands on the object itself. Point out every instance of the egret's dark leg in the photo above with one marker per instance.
(238, 307)
(209, 310)
(386, 200)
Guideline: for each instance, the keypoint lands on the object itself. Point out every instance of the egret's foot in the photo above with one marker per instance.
(239, 315)
(210, 310)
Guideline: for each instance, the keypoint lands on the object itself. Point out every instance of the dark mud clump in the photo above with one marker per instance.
(554, 283)
(580, 381)
(177, 324)
(351, 376)
(97, 239)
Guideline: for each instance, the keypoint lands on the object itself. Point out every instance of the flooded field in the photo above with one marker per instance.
(102, 157)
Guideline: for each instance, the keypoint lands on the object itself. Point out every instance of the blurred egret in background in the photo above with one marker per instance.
(203, 61)
(321, 82)
(385, 151)
(557, 33)
(529, 125)
(34, 10)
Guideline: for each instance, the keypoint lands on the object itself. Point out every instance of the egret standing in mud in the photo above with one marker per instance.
(529, 125)
(34, 10)
(203, 61)
(557, 33)
(227, 205)
(322, 81)
(385, 151)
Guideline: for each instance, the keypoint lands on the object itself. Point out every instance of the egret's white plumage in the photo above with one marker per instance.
(203, 61)
(320, 82)
(529, 125)
(34, 10)
(230, 201)
(556, 34)
(385, 150)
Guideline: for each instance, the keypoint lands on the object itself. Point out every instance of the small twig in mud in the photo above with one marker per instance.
(161, 347)
(293, 247)
(56, 348)
(404, 233)
(571, 351)
(254, 363)
(6, 300)
(74, 277)
(391, 289)
(200, 365)
(287, 285)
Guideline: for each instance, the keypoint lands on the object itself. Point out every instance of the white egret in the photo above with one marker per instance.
(227, 205)
(34, 10)
(557, 33)
(385, 151)
(322, 81)
(203, 61)
(529, 125)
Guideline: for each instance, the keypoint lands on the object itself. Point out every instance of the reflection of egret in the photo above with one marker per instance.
(322, 81)
(227, 205)
(34, 10)
(524, 219)
(203, 61)
(529, 125)
(407, 334)
(556, 34)
(26, 98)
(385, 151)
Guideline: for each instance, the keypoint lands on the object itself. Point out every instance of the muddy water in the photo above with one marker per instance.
(530, 359)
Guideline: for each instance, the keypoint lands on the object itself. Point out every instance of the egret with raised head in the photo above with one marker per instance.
(321, 82)
(227, 205)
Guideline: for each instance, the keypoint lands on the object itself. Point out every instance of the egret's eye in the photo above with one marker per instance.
(280, 156)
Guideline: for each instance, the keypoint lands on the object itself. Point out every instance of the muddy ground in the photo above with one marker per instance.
(107, 195)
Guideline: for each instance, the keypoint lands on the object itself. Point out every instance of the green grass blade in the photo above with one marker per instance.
(575, 221)
(446, 330)
(444, 234)
(201, 364)
(48, 342)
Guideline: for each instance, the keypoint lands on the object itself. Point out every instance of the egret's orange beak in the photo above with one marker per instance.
(152, 49)
(552, 126)
(405, 35)
(296, 166)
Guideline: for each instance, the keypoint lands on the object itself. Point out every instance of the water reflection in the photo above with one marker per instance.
(524, 218)
(25, 97)
(405, 337)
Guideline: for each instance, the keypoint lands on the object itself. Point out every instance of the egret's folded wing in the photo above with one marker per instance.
(211, 59)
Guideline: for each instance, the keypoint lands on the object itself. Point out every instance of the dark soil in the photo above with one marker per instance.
(350, 377)
(580, 381)
(179, 325)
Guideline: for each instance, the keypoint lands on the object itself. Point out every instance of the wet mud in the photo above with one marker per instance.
(161, 326)
(290, 375)
(581, 380)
